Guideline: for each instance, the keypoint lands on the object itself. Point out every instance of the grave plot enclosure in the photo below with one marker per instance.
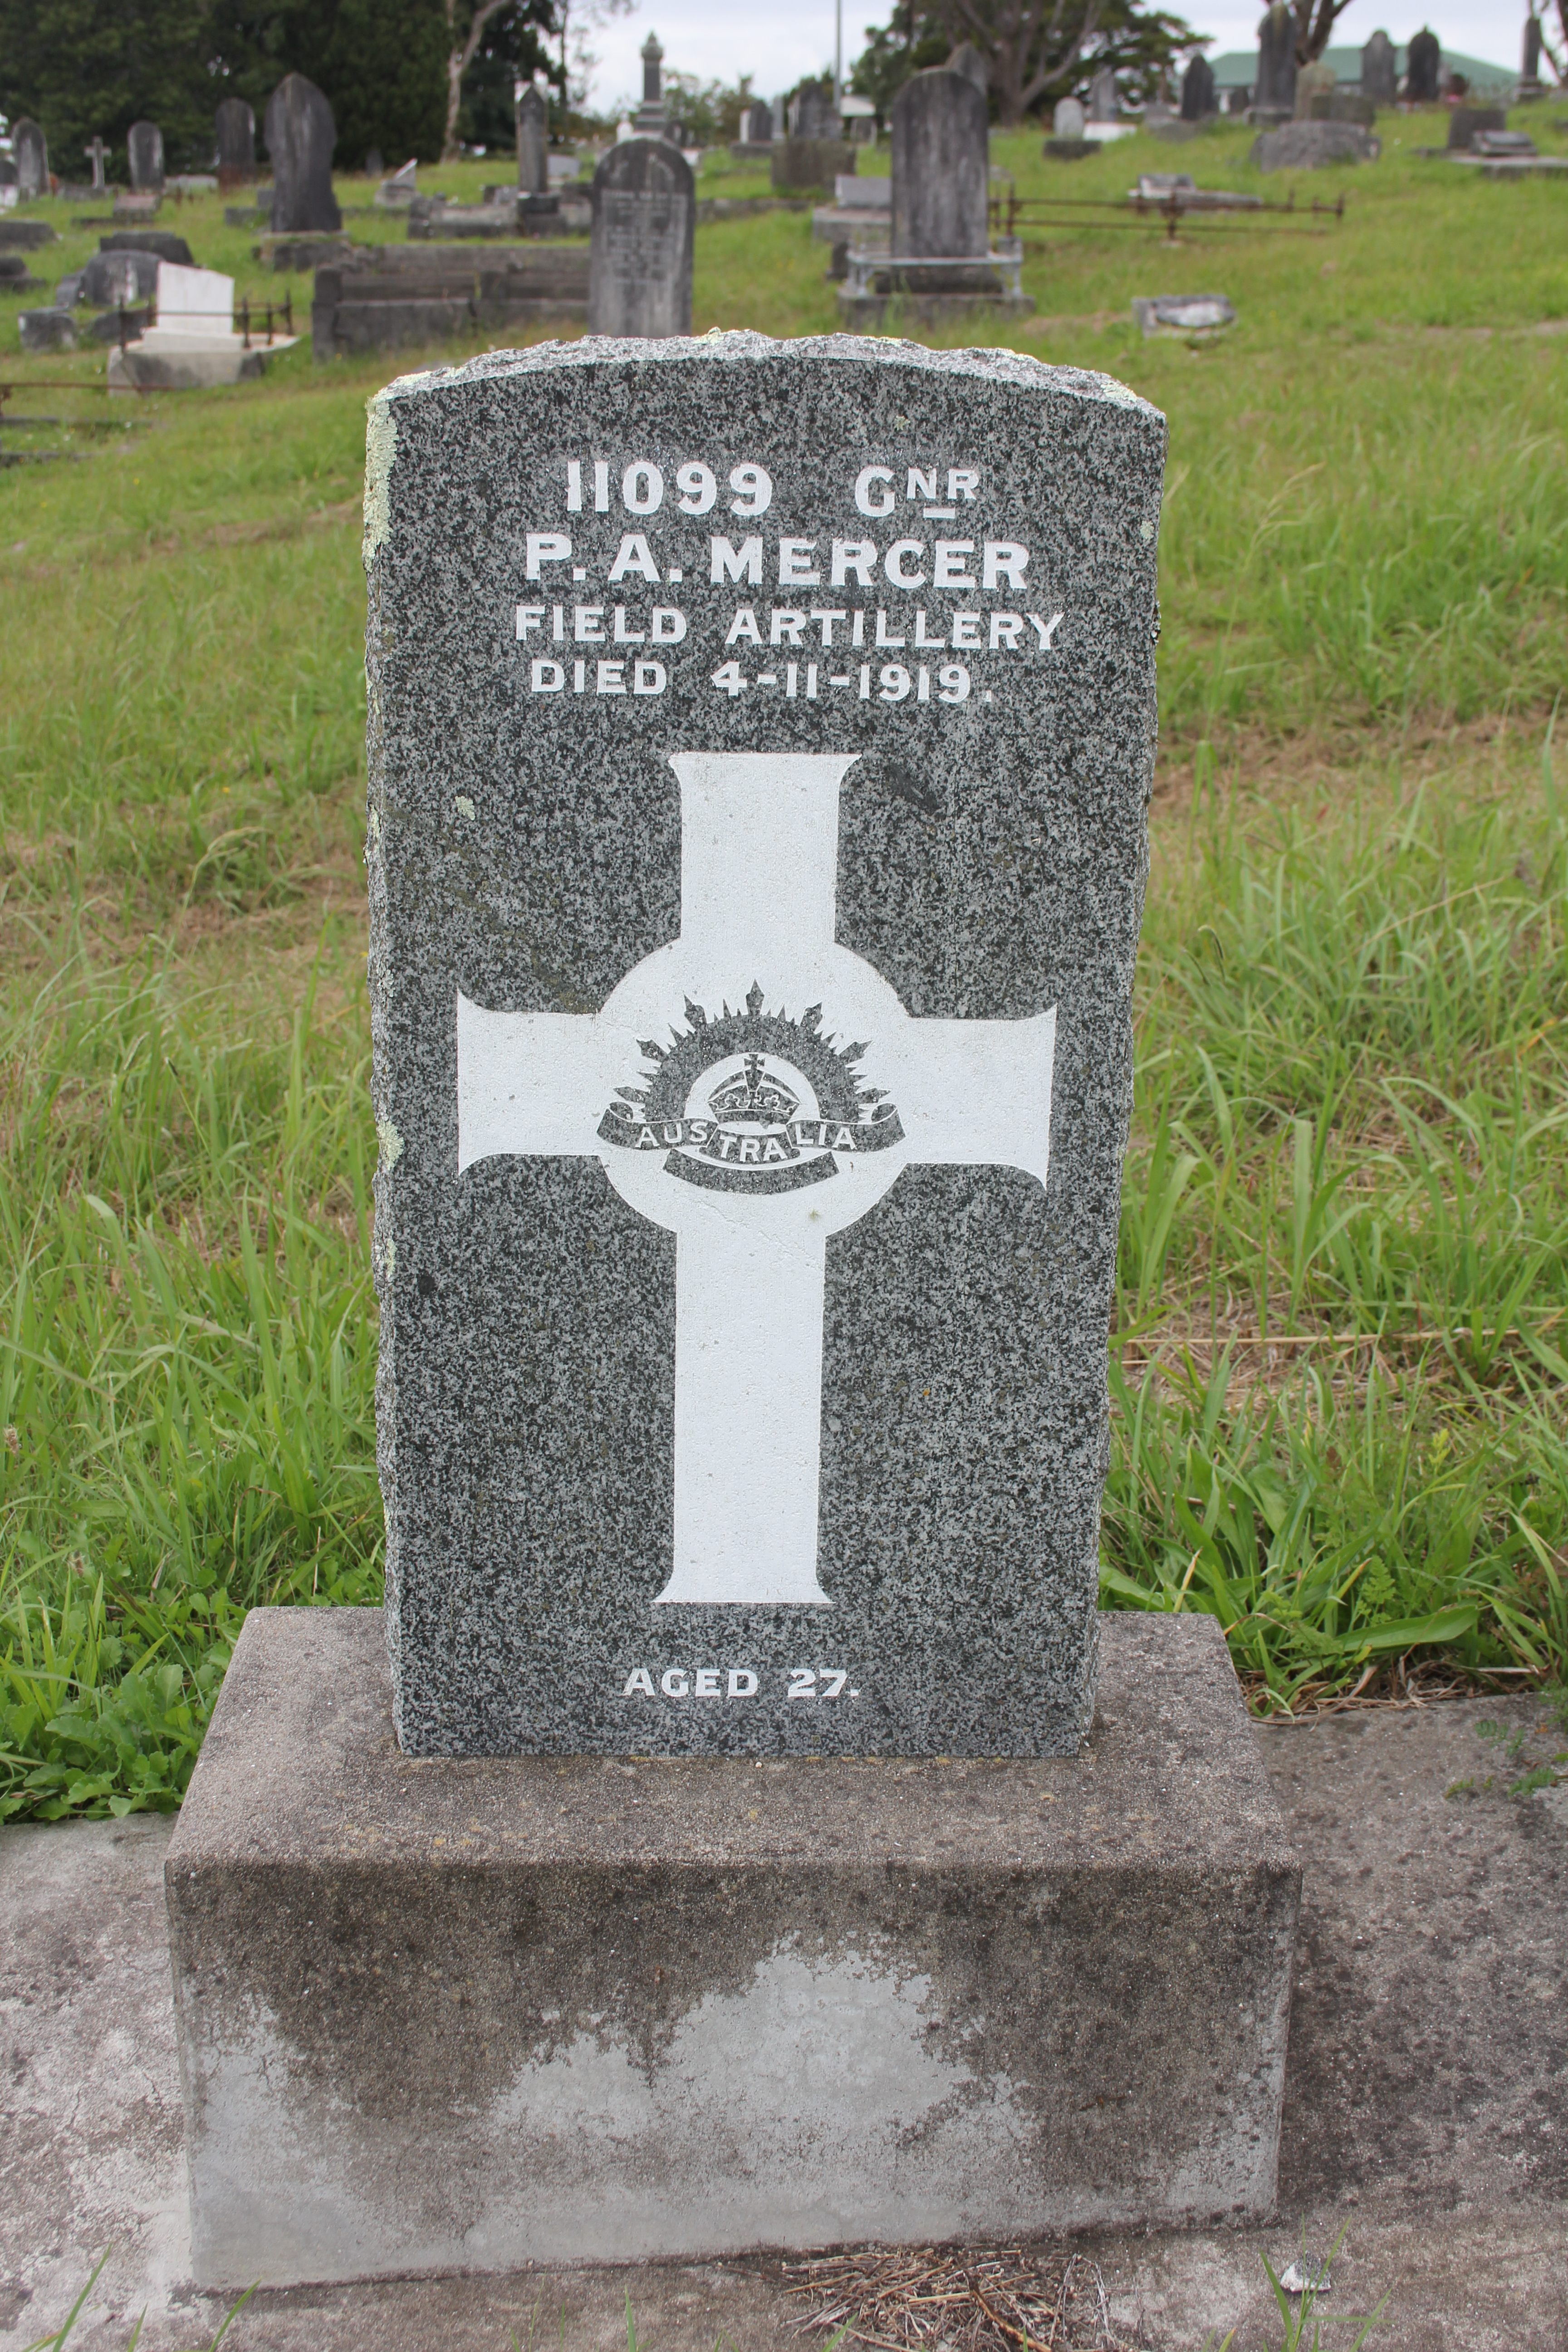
(760, 743)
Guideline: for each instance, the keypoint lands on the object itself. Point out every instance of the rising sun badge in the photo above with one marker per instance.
(752, 1101)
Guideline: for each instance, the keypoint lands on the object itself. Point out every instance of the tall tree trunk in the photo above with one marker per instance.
(459, 57)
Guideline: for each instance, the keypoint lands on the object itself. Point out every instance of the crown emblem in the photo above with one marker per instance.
(754, 1097)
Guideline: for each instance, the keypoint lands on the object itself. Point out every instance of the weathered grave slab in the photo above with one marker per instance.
(644, 220)
(1425, 2104)
(757, 842)
(511, 2012)
(1308, 146)
(532, 141)
(32, 157)
(1380, 70)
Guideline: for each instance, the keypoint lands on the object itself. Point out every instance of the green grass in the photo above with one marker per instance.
(1342, 1335)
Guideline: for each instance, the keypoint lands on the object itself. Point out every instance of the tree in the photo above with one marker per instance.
(1315, 20)
(85, 68)
(380, 63)
(512, 49)
(1033, 49)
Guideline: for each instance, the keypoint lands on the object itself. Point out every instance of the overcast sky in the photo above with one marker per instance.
(717, 40)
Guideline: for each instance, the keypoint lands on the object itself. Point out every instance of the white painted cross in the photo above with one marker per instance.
(759, 870)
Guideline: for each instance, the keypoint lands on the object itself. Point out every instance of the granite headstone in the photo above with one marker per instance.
(1067, 119)
(1378, 73)
(300, 136)
(645, 218)
(144, 154)
(941, 165)
(532, 141)
(236, 127)
(1198, 91)
(1104, 105)
(757, 841)
(1423, 67)
(32, 155)
(1275, 92)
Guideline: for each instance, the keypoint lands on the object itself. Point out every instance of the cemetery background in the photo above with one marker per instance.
(1340, 1305)
(1338, 1361)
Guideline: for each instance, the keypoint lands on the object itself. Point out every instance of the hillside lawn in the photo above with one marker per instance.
(1339, 1360)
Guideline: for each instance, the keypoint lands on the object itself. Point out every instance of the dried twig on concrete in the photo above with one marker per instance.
(926, 2299)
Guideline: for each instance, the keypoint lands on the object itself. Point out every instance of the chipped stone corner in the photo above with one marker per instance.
(380, 449)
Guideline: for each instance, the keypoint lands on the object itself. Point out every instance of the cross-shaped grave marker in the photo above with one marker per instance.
(750, 1186)
(95, 151)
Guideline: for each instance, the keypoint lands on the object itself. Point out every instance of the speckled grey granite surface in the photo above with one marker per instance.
(526, 853)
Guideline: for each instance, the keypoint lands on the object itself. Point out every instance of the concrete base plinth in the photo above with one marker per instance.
(864, 314)
(473, 2013)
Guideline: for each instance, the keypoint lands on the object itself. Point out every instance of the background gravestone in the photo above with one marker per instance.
(1423, 67)
(814, 114)
(300, 136)
(95, 151)
(144, 152)
(532, 141)
(1529, 65)
(939, 131)
(236, 127)
(704, 911)
(32, 157)
(645, 217)
(1308, 146)
(1379, 79)
(651, 117)
(1314, 85)
(1276, 89)
(760, 125)
(1067, 119)
(1104, 105)
(1197, 91)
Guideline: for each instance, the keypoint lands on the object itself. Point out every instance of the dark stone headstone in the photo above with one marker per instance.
(144, 149)
(32, 155)
(122, 325)
(1104, 100)
(47, 330)
(235, 143)
(1306, 146)
(375, 163)
(532, 141)
(759, 129)
(26, 234)
(1531, 59)
(941, 166)
(1276, 89)
(167, 246)
(119, 279)
(1466, 121)
(746, 1217)
(1344, 106)
(645, 218)
(815, 114)
(1236, 102)
(7, 172)
(1379, 71)
(1423, 68)
(651, 119)
(1197, 91)
(798, 163)
(300, 136)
